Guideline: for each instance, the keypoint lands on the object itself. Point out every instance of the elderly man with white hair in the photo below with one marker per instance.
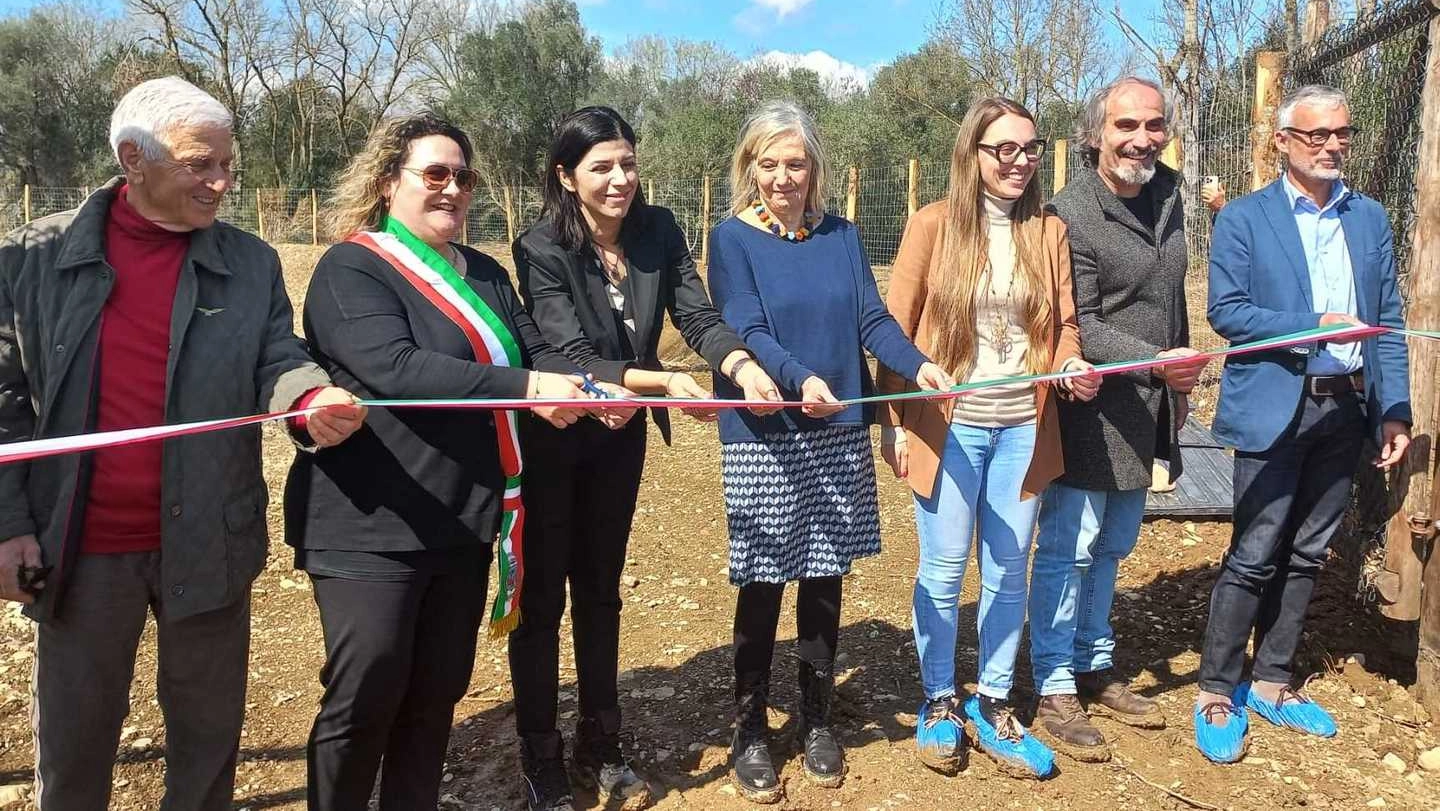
(1306, 251)
(139, 308)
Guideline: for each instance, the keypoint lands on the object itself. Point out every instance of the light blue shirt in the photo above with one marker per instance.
(1332, 277)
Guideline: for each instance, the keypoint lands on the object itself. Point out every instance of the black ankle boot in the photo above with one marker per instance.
(599, 765)
(547, 786)
(751, 769)
(824, 759)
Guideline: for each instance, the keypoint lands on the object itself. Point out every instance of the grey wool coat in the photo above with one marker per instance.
(234, 352)
(1130, 302)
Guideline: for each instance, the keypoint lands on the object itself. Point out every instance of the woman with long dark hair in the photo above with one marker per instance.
(599, 272)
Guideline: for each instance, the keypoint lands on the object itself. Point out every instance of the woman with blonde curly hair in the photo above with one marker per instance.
(399, 526)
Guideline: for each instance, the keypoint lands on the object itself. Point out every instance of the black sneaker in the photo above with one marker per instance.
(547, 786)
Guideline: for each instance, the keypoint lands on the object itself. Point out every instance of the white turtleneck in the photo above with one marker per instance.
(1006, 405)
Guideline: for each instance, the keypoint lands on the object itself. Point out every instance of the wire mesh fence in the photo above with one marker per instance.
(1379, 61)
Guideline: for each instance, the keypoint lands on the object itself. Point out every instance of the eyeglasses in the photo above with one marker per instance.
(1321, 137)
(1008, 151)
(437, 176)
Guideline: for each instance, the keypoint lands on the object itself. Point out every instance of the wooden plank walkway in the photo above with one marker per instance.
(1205, 489)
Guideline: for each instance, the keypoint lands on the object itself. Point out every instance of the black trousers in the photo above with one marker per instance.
(580, 489)
(398, 657)
(757, 616)
(1288, 502)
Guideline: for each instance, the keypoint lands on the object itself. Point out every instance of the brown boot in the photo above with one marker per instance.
(1104, 694)
(1062, 722)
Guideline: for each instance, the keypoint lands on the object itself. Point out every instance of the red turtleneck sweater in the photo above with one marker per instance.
(123, 512)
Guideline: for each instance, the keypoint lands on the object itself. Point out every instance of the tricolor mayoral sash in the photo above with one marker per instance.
(492, 342)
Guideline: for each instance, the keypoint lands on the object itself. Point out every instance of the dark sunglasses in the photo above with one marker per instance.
(1008, 151)
(1321, 137)
(437, 176)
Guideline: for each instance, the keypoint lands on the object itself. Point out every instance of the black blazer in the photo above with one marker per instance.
(565, 292)
(409, 479)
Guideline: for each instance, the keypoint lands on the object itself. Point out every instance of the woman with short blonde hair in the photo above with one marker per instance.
(799, 485)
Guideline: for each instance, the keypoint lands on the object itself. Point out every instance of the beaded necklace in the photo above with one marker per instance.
(798, 235)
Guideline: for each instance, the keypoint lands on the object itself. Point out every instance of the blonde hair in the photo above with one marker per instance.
(964, 267)
(774, 120)
(358, 201)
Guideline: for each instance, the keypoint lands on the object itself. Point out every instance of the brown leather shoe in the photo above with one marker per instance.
(1104, 694)
(1062, 722)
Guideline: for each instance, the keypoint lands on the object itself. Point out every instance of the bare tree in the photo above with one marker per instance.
(209, 40)
(1034, 51)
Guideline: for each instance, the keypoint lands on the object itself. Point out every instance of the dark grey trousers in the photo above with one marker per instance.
(1288, 503)
(85, 661)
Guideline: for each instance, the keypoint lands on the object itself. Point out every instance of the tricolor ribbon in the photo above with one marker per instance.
(55, 446)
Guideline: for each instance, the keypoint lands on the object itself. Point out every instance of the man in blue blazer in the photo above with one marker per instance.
(1303, 252)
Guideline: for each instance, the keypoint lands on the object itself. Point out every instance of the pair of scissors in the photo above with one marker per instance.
(588, 386)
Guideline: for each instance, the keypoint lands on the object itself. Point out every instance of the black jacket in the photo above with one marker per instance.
(565, 292)
(409, 479)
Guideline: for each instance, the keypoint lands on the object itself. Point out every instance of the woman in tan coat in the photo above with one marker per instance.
(982, 284)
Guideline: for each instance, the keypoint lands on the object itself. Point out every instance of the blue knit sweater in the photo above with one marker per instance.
(804, 308)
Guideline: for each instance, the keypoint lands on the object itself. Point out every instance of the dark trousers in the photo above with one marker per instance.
(84, 663)
(1288, 503)
(398, 657)
(580, 489)
(757, 616)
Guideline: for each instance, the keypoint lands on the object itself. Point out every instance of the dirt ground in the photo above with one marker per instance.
(676, 678)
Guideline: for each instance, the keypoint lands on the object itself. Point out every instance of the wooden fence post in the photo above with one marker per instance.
(1269, 83)
(314, 218)
(650, 191)
(509, 216)
(259, 216)
(1173, 155)
(705, 224)
(1417, 516)
(912, 197)
(852, 195)
(1062, 165)
(25, 202)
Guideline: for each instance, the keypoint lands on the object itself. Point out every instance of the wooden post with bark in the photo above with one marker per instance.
(509, 217)
(1414, 525)
(852, 194)
(314, 218)
(705, 223)
(912, 197)
(1173, 155)
(1269, 89)
(259, 215)
(1062, 166)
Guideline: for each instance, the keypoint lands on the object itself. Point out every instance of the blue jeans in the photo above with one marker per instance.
(979, 482)
(1084, 534)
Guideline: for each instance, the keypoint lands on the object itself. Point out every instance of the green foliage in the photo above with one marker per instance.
(518, 81)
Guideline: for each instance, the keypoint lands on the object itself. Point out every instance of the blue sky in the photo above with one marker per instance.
(863, 33)
(860, 33)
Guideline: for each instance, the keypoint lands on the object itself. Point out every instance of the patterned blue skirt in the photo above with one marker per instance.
(800, 504)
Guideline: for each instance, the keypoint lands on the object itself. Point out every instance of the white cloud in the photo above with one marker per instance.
(838, 77)
(783, 8)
